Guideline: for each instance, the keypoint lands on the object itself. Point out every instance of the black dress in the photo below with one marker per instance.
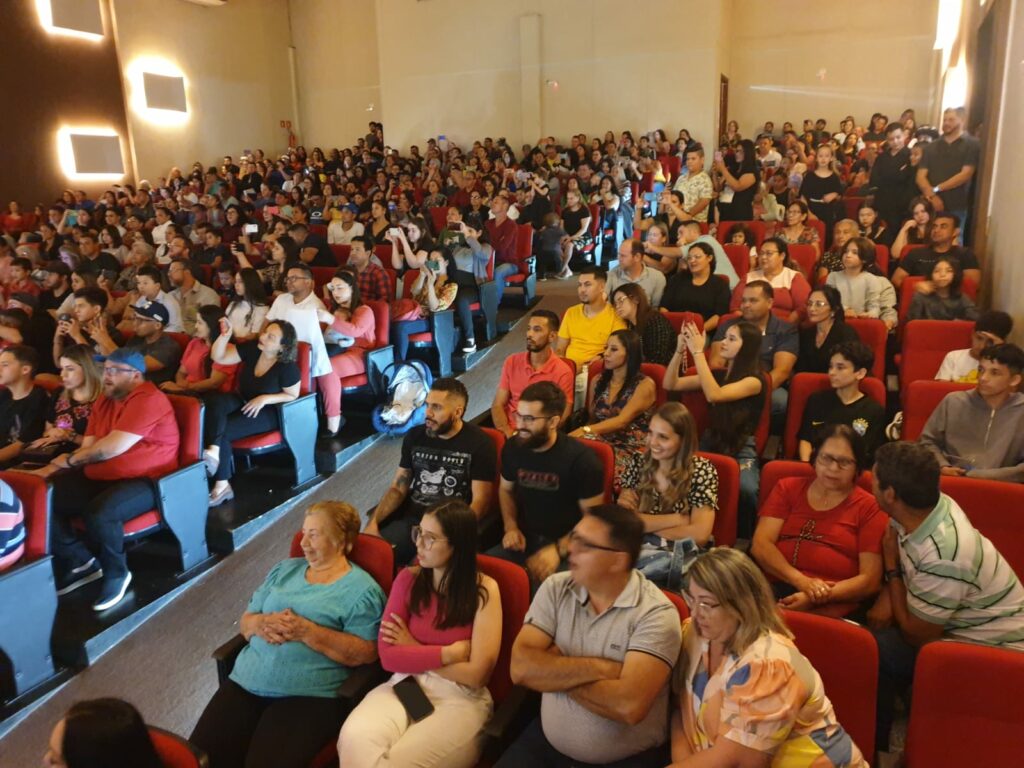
(815, 359)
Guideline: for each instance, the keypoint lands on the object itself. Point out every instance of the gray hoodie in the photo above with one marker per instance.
(965, 432)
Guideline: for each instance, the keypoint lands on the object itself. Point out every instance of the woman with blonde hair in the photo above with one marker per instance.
(746, 695)
(313, 618)
(71, 405)
(674, 492)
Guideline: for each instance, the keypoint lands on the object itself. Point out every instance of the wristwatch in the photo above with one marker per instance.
(588, 432)
(935, 189)
(893, 573)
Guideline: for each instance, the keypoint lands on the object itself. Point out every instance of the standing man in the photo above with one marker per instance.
(538, 363)
(599, 643)
(695, 185)
(892, 178)
(943, 579)
(548, 480)
(945, 172)
(631, 269)
(503, 233)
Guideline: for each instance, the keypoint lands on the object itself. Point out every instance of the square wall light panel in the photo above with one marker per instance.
(97, 154)
(77, 17)
(164, 92)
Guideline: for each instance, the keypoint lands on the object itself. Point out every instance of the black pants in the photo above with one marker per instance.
(397, 530)
(241, 730)
(224, 422)
(105, 505)
(533, 749)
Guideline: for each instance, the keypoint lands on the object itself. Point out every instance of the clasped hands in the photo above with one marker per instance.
(283, 627)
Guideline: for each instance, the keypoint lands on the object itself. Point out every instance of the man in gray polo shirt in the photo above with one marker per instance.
(599, 643)
(632, 269)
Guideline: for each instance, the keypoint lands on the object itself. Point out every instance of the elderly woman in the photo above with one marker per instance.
(746, 695)
(312, 619)
(820, 539)
(777, 268)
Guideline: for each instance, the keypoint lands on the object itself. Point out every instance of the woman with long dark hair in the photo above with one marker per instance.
(247, 312)
(352, 326)
(827, 328)
(198, 373)
(101, 733)
(736, 182)
(442, 628)
(656, 334)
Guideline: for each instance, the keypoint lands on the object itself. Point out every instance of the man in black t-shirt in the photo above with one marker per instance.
(892, 178)
(91, 255)
(921, 261)
(443, 460)
(22, 404)
(38, 330)
(548, 480)
(56, 286)
(313, 249)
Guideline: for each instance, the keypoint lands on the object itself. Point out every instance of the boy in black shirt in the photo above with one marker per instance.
(22, 404)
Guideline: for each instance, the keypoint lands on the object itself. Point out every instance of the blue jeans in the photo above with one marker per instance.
(502, 271)
(402, 330)
(750, 485)
(663, 567)
(532, 748)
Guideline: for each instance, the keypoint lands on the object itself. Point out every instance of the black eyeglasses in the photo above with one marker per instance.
(587, 546)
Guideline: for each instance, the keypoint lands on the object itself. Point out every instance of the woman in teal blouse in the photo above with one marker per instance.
(310, 621)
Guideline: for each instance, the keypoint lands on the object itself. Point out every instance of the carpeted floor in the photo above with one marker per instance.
(164, 667)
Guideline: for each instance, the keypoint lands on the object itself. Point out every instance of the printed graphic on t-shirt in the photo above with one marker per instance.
(440, 475)
(537, 480)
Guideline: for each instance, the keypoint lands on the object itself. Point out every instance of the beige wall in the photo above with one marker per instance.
(235, 60)
(610, 74)
(338, 76)
(791, 60)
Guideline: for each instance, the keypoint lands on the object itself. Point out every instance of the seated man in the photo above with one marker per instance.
(373, 280)
(980, 432)
(161, 353)
(444, 459)
(586, 326)
(548, 480)
(189, 293)
(599, 642)
(920, 261)
(845, 403)
(313, 249)
(631, 269)
(992, 327)
(23, 405)
(12, 527)
(943, 578)
(87, 321)
(39, 328)
(538, 363)
(131, 439)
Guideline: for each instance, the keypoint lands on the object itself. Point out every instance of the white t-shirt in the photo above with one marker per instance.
(338, 235)
(246, 320)
(307, 327)
(958, 365)
(174, 325)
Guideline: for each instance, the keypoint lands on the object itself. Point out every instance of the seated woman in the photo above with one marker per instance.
(871, 225)
(198, 373)
(791, 287)
(659, 253)
(797, 230)
(746, 695)
(281, 253)
(864, 291)
(916, 230)
(468, 257)
(267, 374)
(941, 298)
(827, 328)
(313, 618)
(352, 326)
(656, 334)
(411, 245)
(697, 289)
(820, 539)
(675, 493)
(431, 292)
(619, 401)
(101, 732)
(735, 399)
(249, 309)
(442, 628)
(71, 404)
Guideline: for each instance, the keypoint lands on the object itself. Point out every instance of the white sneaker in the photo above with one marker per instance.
(469, 348)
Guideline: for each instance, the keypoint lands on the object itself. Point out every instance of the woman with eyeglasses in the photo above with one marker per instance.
(827, 328)
(778, 269)
(819, 539)
(746, 695)
(442, 627)
(312, 620)
(656, 334)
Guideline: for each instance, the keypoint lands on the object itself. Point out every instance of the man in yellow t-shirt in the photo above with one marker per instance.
(586, 326)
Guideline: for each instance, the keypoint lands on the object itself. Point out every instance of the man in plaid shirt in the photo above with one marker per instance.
(373, 280)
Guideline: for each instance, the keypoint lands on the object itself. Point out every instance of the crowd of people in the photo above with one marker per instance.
(623, 681)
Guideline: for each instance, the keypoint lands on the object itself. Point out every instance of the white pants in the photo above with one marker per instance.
(378, 733)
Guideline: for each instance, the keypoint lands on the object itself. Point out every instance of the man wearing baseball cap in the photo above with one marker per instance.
(342, 231)
(160, 352)
(131, 439)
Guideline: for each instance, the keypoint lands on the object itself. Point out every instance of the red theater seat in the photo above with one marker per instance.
(175, 751)
(872, 332)
(909, 287)
(925, 345)
(652, 370)
(606, 456)
(726, 518)
(739, 256)
(801, 388)
(526, 278)
(993, 507)
(921, 398)
(805, 256)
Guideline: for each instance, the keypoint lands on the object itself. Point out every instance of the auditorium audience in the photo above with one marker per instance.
(189, 293)
(865, 292)
(198, 373)
(945, 172)
(599, 643)
(916, 230)
(631, 270)
(307, 625)
(790, 288)
(149, 289)
(101, 732)
(162, 353)
(586, 326)
(351, 324)
(991, 328)
(796, 230)
(698, 288)
(745, 694)
(656, 334)
(442, 628)
(832, 259)
(945, 230)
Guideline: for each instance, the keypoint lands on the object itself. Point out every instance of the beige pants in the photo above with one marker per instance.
(379, 734)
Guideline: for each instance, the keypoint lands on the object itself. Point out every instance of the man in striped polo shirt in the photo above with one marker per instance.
(943, 579)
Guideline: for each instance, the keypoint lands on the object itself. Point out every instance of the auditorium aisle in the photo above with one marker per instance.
(164, 667)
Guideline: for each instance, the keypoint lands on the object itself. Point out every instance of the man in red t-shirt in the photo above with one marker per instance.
(131, 439)
(503, 233)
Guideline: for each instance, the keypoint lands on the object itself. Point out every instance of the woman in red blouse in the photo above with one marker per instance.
(820, 539)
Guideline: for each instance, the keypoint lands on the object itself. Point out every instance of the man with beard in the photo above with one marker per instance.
(132, 438)
(444, 459)
(548, 480)
(538, 363)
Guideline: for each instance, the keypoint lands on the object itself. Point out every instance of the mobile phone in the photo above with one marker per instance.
(273, 210)
(250, 229)
(718, 156)
(64, 318)
(414, 700)
(432, 265)
(391, 205)
(394, 231)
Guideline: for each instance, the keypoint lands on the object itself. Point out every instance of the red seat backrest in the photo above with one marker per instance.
(653, 370)
(852, 203)
(382, 322)
(926, 343)
(188, 412)
(34, 494)
(371, 553)
(908, 248)
(806, 256)
(679, 603)
(175, 751)
(846, 656)
(407, 282)
(341, 253)
(909, 286)
(595, 219)
(819, 225)
(802, 386)
(514, 587)
(676, 320)
(756, 227)
(524, 246)
(960, 688)
(923, 397)
(773, 471)
(872, 332)
(882, 258)
(739, 256)
(321, 277)
(499, 445)
(993, 507)
(181, 339)
(724, 529)
(606, 456)
(383, 252)
(439, 218)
